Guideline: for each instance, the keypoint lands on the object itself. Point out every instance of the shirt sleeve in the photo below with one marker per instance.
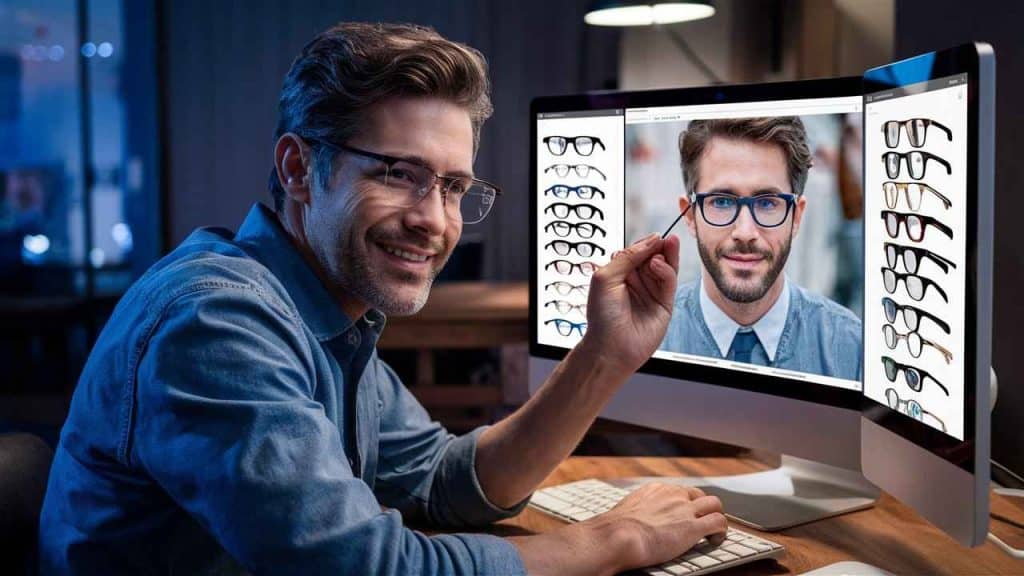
(226, 424)
(424, 471)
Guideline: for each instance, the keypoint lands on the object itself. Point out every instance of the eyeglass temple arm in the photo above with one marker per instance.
(946, 201)
(938, 321)
(949, 168)
(942, 227)
(949, 133)
(944, 389)
(939, 288)
(941, 349)
(942, 261)
(603, 177)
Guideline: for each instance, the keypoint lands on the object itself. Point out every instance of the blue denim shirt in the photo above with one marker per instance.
(819, 337)
(232, 418)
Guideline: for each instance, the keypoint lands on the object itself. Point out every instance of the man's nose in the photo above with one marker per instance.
(429, 215)
(745, 228)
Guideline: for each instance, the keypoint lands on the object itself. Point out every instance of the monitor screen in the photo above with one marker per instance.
(772, 248)
(916, 250)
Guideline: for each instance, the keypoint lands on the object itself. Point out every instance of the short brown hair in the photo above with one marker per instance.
(786, 131)
(353, 65)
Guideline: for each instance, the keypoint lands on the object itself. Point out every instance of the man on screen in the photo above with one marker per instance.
(745, 181)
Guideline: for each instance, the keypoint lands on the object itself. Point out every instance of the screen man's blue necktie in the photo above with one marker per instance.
(742, 345)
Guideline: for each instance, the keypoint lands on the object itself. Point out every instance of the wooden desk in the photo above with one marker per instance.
(462, 315)
(890, 535)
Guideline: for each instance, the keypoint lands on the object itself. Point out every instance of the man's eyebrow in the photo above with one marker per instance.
(423, 162)
(768, 190)
(759, 192)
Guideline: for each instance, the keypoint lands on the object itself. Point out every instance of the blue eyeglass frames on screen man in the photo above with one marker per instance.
(467, 200)
(721, 209)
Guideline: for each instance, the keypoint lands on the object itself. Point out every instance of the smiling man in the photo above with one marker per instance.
(234, 415)
(745, 182)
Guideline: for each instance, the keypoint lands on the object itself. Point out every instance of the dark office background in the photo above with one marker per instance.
(124, 124)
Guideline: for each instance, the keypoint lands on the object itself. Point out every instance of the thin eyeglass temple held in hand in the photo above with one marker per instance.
(676, 221)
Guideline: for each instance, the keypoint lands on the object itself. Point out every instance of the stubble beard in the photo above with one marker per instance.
(744, 292)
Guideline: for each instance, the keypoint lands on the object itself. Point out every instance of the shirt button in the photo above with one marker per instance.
(353, 338)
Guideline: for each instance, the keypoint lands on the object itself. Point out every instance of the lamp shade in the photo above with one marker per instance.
(640, 13)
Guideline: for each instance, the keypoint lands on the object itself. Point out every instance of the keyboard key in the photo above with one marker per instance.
(759, 545)
(722, 555)
(705, 561)
(739, 550)
(659, 573)
(677, 569)
(546, 501)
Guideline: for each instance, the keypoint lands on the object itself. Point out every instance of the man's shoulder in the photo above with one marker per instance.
(823, 310)
(686, 292)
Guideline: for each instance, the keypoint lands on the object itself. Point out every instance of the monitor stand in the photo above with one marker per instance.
(797, 492)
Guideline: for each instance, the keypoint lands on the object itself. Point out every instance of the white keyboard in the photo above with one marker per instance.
(579, 501)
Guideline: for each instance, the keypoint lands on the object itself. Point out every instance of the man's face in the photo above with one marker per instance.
(370, 242)
(743, 259)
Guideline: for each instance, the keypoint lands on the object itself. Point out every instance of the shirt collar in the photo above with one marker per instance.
(768, 329)
(262, 236)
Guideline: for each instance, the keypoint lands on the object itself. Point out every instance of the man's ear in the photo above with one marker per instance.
(798, 213)
(684, 203)
(291, 157)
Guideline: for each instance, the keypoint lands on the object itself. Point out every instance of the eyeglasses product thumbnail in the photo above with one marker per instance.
(566, 328)
(565, 267)
(581, 229)
(910, 407)
(564, 288)
(917, 131)
(914, 377)
(914, 224)
(917, 163)
(581, 192)
(915, 342)
(564, 307)
(911, 315)
(585, 249)
(913, 257)
(581, 170)
(584, 211)
(916, 285)
(584, 145)
(913, 192)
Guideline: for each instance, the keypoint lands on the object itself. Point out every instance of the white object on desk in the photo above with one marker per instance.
(848, 568)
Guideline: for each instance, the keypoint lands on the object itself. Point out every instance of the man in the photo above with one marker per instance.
(745, 182)
(234, 414)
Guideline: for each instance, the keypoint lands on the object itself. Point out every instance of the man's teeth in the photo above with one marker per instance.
(405, 255)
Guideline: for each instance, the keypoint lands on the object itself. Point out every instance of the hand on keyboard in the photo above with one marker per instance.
(660, 521)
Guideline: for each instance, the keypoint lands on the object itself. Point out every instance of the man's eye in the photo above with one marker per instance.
(768, 203)
(723, 202)
(458, 187)
(401, 174)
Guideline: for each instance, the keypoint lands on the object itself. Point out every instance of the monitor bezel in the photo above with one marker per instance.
(720, 94)
(945, 63)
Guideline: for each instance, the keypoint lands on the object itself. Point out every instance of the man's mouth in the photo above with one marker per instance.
(405, 254)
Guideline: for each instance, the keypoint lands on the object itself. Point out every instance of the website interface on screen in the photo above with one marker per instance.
(772, 248)
(916, 250)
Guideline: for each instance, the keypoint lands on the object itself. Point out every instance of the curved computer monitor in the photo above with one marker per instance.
(929, 154)
(607, 169)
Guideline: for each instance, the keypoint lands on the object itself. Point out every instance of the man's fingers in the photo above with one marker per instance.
(705, 505)
(634, 255)
(713, 526)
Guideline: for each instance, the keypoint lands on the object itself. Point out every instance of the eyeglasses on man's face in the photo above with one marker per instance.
(581, 170)
(913, 192)
(566, 328)
(581, 229)
(584, 211)
(581, 192)
(916, 286)
(564, 288)
(913, 376)
(914, 224)
(915, 342)
(917, 131)
(564, 248)
(584, 145)
(565, 307)
(916, 163)
(913, 257)
(768, 210)
(467, 200)
(565, 267)
(910, 407)
(911, 315)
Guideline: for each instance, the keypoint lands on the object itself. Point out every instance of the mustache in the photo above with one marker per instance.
(746, 250)
(438, 246)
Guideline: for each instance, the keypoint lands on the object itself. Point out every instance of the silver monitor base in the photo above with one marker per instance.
(797, 492)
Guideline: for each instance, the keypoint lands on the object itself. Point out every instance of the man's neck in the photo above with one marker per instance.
(744, 314)
(291, 221)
